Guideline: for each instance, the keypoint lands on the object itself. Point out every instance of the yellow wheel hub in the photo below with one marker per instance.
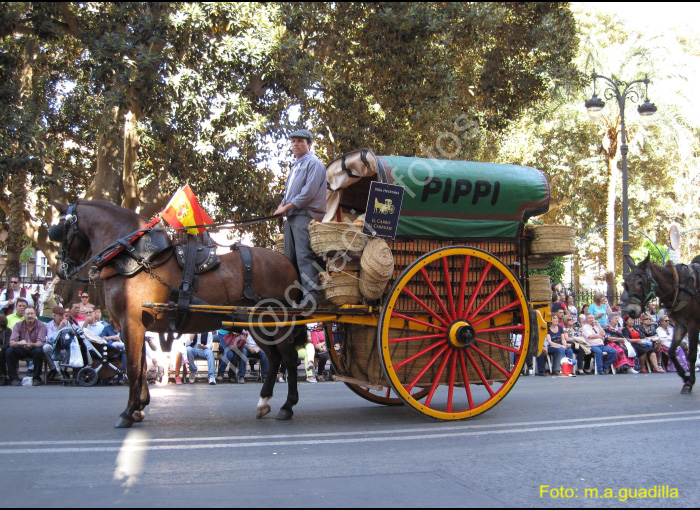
(461, 334)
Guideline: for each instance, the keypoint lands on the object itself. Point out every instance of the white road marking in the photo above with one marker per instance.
(421, 433)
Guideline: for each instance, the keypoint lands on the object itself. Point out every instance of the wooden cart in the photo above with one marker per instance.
(451, 334)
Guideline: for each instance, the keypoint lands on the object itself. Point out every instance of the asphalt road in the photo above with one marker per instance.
(201, 446)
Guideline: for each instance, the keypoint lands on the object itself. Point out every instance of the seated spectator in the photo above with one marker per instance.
(27, 341)
(579, 345)
(663, 346)
(239, 349)
(595, 336)
(20, 306)
(616, 340)
(252, 351)
(155, 363)
(200, 346)
(5, 334)
(570, 306)
(227, 355)
(557, 347)
(99, 319)
(112, 333)
(318, 339)
(582, 316)
(648, 332)
(52, 328)
(644, 348)
(74, 312)
(90, 323)
(306, 354)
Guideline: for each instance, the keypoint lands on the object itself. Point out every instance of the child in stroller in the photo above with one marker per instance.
(94, 358)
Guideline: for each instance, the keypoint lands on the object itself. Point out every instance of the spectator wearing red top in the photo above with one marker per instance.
(644, 348)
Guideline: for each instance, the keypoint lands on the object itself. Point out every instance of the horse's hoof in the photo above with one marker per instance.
(285, 414)
(139, 416)
(687, 388)
(262, 411)
(123, 423)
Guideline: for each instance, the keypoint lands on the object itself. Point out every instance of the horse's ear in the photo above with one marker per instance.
(62, 208)
(630, 261)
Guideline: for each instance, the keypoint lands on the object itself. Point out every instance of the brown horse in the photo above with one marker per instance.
(679, 292)
(93, 226)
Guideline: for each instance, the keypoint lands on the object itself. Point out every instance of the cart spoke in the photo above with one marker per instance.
(424, 306)
(435, 294)
(465, 375)
(517, 327)
(505, 348)
(411, 338)
(497, 312)
(425, 369)
(448, 284)
(451, 378)
(489, 360)
(420, 353)
(417, 321)
(476, 290)
(478, 371)
(489, 298)
(436, 381)
(463, 284)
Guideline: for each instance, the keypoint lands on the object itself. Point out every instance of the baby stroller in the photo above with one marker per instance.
(98, 358)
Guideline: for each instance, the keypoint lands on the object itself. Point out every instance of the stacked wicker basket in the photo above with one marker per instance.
(346, 250)
(546, 242)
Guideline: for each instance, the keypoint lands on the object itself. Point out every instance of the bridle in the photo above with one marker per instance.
(64, 234)
(648, 281)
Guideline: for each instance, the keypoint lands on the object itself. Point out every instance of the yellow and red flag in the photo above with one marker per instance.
(183, 210)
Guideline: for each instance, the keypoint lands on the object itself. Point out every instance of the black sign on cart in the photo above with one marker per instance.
(383, 210)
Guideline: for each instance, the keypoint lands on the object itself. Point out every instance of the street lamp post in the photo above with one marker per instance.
(621, 91)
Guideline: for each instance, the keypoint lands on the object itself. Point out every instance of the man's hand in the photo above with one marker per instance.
(283, 209)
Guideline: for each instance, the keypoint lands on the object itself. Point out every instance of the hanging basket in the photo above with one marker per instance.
(341, 288)
(336, 237)
(540, 288)
(552, 239)
(377, 266)
(279, 244)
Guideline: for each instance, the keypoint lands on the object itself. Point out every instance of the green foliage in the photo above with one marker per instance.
(555, 270)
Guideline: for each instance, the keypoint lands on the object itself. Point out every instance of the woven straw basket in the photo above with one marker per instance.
(552, 239)
(279, 244)
(377, 266)
(341, 288)
(540, 288)
(332, 236)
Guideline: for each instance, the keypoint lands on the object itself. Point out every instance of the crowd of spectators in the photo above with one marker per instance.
(598, 340)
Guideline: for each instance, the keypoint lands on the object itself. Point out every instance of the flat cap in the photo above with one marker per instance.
(302, 133)
(58, 309)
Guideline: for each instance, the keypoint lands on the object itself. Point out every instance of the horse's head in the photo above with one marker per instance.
(639, 287)
(75, 245)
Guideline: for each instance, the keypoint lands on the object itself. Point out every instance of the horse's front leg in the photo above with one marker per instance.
(678, 334)
(269, 383)
(692, 358)
(136, 373)
(286, 412)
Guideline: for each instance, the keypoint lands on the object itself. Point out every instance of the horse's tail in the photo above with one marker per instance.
(299, 336)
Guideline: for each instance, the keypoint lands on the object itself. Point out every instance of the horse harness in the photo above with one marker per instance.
(685, 286)
(140, 250)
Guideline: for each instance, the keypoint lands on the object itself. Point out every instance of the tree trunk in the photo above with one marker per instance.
(129, 176)
(107, 183)
(15, 237)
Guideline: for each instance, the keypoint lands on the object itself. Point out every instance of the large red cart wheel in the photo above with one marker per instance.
(384, 396)
(447, 326)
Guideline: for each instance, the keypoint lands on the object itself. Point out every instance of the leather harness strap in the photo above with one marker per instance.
(248, 290)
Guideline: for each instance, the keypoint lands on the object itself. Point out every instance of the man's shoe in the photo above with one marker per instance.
(36, 382)
(219, 379)
(241, 380)
(193, 376)
(212, 381)
(16, 382)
